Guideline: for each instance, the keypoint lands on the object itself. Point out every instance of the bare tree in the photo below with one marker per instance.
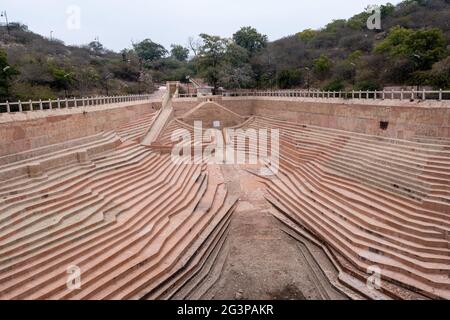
(194, 44)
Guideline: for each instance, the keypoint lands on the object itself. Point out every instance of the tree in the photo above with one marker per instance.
(441, 74)
(148, 50)
(235, 69)
(6, 74)
(322, 66)
(236, 77)
(438, 76)
(63, 79)
(179, 52)
(97, 48)
(307, 34)
(335, 85)
(250, 39)
(210, 58)
(288, 79)
(194, 44)
(423, 47)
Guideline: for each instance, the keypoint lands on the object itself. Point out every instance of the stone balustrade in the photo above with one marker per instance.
(423, 95)
(23, 106)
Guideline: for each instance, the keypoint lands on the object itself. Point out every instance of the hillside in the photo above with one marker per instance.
(349, 50)
(44, 68)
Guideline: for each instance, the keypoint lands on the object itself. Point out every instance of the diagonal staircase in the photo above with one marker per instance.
(160, 121)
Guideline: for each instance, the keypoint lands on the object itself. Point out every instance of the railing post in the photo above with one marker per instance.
(66, 103)
(401, 94)
(59, 103)
(383, 95)
(40, 104)
(20, 106)
(49, 104)
(440, 94)
(424, 95)
(31, 105)
(8, 107)
(353, 94)
(412, 94)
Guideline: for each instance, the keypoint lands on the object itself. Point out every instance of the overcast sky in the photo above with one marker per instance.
(117, 22)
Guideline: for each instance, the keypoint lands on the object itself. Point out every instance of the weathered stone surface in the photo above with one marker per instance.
(24, 131)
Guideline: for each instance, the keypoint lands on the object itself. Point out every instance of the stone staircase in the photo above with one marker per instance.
(163, 116)
(129, 218)
(370, 200)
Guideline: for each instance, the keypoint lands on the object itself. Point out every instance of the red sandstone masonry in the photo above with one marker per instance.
(30, 130)
(406, 119)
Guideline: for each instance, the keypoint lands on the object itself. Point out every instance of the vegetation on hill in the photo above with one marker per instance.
(412, 48)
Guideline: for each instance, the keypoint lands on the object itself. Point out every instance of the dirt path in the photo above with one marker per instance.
(263, 262)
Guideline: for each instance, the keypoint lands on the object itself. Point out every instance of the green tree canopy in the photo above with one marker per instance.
(210, 58)
(148, 50)
(288, 79)
(424, 47)
(179, 52)
(307, 34)
(63, 79)
(322, 66)
(250, 39)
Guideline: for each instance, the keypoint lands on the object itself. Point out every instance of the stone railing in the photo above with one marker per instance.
(374, 95)
(422, 95)
(22, 106)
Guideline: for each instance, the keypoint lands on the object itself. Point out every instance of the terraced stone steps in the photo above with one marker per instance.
(342, 158)
(207, 246)
(323, 187)
(127, 208)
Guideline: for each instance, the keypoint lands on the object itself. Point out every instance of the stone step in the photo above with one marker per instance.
(104, 238)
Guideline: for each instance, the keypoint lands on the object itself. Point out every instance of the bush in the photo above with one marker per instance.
(423, 47)
(335, 85)
(322, 66)
(26, 91)
(288, 79)
(367, 86)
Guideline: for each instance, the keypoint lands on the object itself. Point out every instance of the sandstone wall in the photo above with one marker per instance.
(406, 119)
(241, 107)
(25, 131)
(210, 112)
